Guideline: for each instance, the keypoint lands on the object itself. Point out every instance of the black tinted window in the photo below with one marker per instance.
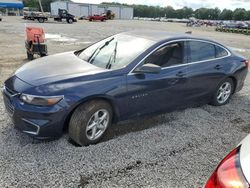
(220, 52)
(201, 51)
(169, 55)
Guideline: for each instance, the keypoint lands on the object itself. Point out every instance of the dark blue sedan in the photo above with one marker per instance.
(121, 77)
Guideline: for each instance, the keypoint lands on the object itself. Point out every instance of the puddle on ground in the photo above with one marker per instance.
(59, 38)
(65, 40)
(77, 43)
(239, 49)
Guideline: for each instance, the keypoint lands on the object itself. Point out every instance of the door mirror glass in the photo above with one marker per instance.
(148, 68)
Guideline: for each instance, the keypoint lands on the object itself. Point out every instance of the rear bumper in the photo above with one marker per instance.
(37, 122)
(241, 77)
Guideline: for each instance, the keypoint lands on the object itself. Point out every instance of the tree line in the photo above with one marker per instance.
(186, 12)
(168, 12)
(35, 4)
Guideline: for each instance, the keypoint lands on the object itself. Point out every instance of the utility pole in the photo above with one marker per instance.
(41, 7)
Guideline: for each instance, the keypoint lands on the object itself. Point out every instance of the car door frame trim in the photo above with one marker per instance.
(184, 64)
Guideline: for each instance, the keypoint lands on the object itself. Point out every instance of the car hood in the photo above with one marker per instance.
(55, 68)
(245, 157)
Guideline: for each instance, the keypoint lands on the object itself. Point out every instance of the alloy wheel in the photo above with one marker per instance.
(224, 92)
(97, 124)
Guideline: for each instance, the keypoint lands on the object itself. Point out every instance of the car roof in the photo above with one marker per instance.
(160, 36)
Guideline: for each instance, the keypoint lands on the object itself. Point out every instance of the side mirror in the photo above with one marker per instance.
(148, 68)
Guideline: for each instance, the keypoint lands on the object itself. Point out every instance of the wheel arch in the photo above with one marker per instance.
(105, 98)
(234, 82)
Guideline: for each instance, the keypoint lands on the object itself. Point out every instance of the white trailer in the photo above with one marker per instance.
(101, 10)
(127, 13)
(54, 6)
(84, 9)
(74, 9)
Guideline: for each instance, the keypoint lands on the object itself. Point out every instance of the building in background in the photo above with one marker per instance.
(11, 7)
(83, 9)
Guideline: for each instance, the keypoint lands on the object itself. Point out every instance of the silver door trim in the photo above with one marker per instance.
(185, 64)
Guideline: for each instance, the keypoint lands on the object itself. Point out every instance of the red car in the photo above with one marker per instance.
(97, 17)
(233, 171)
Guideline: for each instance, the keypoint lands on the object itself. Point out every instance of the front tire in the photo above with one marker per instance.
(223, 92)
(70, 20)
(89, 122)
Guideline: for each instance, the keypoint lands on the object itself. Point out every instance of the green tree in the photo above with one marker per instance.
(170, 12)
(247, 15)
(226, 14)
(239, 14)
(179, 13)
(187, 12)
(35, 4)
(31, 3)
(202, 13)
(214, 14)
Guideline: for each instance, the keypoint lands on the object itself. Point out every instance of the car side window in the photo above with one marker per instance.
(220, 52)
(169, 55)
(200, 51)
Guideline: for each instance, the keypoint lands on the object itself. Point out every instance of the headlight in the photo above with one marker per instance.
(40, 100)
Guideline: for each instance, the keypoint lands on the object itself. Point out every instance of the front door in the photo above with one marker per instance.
(165, 91)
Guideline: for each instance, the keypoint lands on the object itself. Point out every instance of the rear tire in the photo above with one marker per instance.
(223, 92)
(70, 20)
(89, 122)
(41, 20)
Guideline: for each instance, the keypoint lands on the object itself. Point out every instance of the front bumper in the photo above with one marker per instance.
(36, 121)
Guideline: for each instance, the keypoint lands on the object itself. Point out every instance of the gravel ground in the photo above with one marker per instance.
(178, 149)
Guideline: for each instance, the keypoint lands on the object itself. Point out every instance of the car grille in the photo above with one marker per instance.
(7, 95)
(9, 107)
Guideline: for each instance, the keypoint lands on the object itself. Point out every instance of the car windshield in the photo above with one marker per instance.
(116, 51)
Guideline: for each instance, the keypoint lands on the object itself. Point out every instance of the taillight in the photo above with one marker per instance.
(228, 174)
(247, 63)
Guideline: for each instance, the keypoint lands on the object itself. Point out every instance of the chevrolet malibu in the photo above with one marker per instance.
(233, 171)
(121, 77)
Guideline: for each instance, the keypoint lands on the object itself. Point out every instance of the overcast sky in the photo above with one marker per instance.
(231, 4)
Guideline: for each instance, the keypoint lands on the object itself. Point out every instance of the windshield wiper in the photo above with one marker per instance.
(112, 58)
(97, 51)
(78, 52)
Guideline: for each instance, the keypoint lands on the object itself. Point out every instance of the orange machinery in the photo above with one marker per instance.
(35, 42)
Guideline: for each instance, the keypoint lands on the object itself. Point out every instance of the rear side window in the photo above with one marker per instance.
(200, 51)
(220, 52)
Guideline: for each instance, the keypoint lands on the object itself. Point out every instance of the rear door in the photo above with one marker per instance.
(206, 69)
(165, 91)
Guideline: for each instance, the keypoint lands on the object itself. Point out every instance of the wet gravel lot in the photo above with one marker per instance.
(178, 149)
